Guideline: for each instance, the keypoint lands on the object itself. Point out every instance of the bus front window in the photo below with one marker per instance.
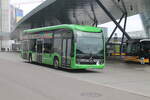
(146, 45)
(90, 44)
(145, 48)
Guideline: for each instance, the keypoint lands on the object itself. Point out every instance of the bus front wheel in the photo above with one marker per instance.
(56, 63)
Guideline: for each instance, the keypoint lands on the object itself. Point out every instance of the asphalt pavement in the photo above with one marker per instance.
(20, 80)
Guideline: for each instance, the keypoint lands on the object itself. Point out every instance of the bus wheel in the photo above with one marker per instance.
(56, 63)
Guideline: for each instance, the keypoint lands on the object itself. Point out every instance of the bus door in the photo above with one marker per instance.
(66, 50)
(39, 50)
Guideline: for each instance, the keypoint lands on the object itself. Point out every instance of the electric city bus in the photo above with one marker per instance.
(138, 50)
(67, 46)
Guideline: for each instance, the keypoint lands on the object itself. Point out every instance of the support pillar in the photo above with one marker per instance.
(112, 18)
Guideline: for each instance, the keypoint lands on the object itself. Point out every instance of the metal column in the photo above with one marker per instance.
(122, 40)
(114, 29)
(112, 18)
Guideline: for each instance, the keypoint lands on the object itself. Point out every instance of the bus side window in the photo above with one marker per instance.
(138, 49)
(25, 45)
(32, 45)
(68, 34)
(59, 35)
(134, 48)
(69, 47)
(48, 45)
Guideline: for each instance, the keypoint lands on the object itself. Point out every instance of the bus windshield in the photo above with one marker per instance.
(90, 43)
(146, 45)
(131, 47)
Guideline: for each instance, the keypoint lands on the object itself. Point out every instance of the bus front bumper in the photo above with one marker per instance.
(84, 66)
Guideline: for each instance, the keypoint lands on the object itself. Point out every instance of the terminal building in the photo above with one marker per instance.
(83, 12)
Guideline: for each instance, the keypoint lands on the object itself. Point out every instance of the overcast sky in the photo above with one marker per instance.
(26, 5)
(134, 23)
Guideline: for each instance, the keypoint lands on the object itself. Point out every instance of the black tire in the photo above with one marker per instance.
(56, 63)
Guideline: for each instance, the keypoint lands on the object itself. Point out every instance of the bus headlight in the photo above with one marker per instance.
(97, 63)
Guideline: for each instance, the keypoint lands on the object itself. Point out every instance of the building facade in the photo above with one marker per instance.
(4, 24)
(9, 15)
(16, 15)
(4, 16)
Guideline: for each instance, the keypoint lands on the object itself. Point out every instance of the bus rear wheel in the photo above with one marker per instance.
(56, 63)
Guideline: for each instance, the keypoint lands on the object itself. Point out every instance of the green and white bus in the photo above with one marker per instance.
(67, 46)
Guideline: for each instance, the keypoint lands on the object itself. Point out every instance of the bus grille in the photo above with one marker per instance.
(87, 61)
(91, 63)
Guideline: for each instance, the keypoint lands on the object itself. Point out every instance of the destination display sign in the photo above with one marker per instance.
(37, 36)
